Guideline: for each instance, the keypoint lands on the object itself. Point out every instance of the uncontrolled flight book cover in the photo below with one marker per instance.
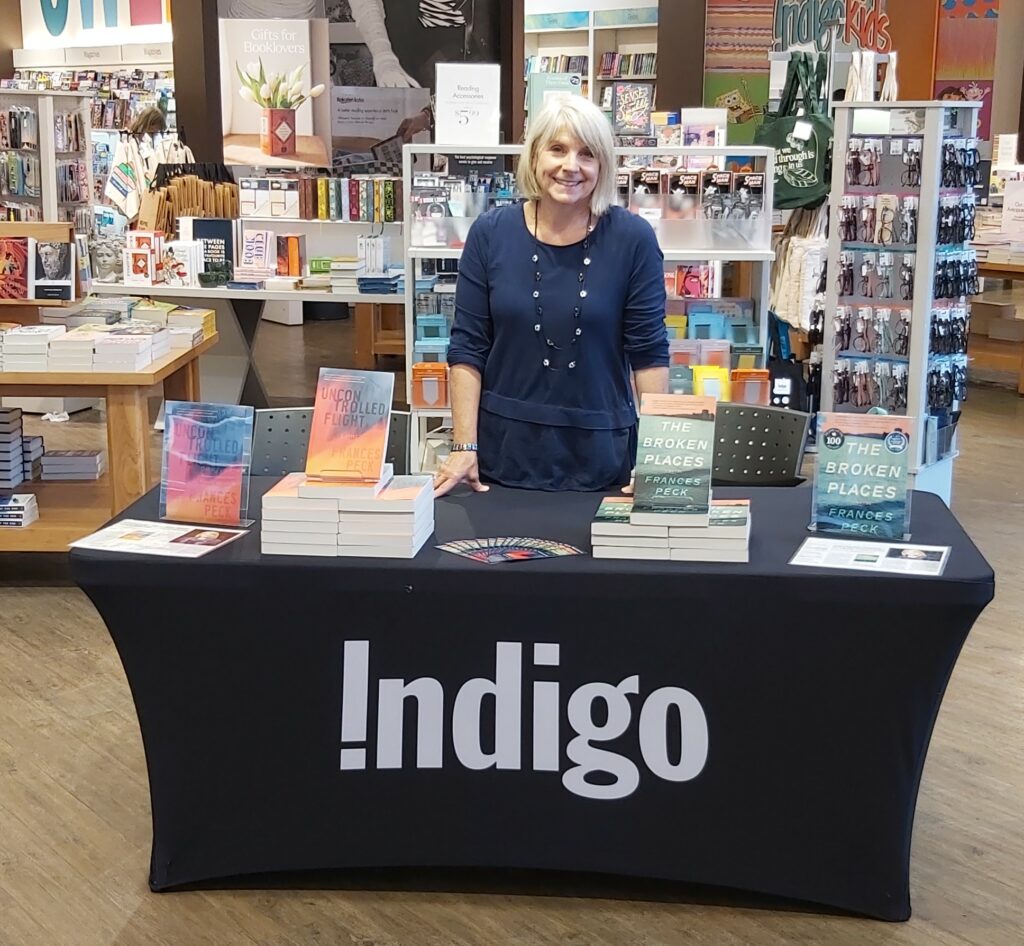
(348, 436)
(675, 451)
(207, 452)
(860, 483)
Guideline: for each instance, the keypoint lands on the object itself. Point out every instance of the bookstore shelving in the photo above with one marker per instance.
(690, 230)
(901, 271)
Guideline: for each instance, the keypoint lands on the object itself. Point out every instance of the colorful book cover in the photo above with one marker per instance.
(632, 103)
(860, 483)
(675, 453)
(55, 270)
(207, 452)
(14, 267)
(348, 436)
(614, 510)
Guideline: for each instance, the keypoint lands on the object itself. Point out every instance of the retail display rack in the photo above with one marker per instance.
(901, 271)
(714, 239)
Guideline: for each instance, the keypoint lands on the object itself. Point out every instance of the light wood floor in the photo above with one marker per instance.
(74, 804)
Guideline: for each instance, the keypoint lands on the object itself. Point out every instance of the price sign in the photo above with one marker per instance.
(467, 107)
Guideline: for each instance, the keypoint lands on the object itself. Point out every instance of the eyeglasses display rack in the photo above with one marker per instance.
(709, 224)
(901, 271)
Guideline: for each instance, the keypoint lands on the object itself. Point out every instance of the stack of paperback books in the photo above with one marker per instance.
(184, 316)
(123, 353)
(18, 511)
(672, 516)
(27, 348)
(74, 350)
(5, 327)
(344, 270)
(11, 449)
(32, 457)
(74, 464)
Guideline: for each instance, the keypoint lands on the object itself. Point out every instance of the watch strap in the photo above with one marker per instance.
(463, 448)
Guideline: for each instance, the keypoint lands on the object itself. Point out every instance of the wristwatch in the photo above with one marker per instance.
(463, 448)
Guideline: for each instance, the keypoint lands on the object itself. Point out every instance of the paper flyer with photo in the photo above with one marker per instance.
(138, 537)
(897, 558)
(273, 76)
(204, 472)
(861, 478)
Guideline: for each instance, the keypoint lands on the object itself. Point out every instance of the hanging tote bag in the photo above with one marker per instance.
(801, 134)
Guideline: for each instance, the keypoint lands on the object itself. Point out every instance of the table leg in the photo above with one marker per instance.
(127, 444)
(183, 385)
(249, 313)
(364, 358)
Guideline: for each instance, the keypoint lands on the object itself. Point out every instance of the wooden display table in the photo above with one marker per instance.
(68, 511)
(994, 353)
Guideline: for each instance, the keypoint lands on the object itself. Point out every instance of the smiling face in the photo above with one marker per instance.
(567, 170)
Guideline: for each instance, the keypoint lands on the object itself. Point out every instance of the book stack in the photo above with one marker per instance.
(123, 352)
(391, 518)
(257, 259)
(74, 464)
(11, 450)
(186, 316)
(74, 350)
(18, 511)
(5, 327)
(89, 314)
(27, 347)
(151, 310)
(344, 274)
(159, 336)
(182, 339)
(32, 457)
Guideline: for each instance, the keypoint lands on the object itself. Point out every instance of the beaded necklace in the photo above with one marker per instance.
(577, 314)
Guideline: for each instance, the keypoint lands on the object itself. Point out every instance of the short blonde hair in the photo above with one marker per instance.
(586, 123)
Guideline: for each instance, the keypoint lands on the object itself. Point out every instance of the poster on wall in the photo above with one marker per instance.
(369, 126)
(273, 76)
(65, 24)
(390, 43)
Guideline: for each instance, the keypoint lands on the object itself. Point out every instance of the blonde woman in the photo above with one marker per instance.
(558, 299)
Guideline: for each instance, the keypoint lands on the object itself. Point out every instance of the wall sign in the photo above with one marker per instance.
(59, 23)
(809, 21)
(468, 107)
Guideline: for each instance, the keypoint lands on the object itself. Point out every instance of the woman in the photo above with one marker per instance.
(557, 299)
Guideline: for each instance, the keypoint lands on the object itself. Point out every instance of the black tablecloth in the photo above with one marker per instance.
(819, 690)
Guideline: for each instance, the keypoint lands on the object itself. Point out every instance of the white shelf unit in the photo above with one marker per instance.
(591, 29)
(680, 240)
(47, 105)
(887, 121)
(161, 291)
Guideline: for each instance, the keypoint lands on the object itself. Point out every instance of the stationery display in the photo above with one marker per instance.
(207, 454)
(138, 537)
(508, 549)
(861, 481)
(879, 557)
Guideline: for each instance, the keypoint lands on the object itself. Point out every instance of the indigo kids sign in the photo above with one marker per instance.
(668, 738)
(865, 24)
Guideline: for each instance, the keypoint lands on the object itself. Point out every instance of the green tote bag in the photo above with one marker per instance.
(801, 134)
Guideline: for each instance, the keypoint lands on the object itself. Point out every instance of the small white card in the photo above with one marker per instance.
(895, 557)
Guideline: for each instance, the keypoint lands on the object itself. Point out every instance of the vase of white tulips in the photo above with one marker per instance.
(279, 94)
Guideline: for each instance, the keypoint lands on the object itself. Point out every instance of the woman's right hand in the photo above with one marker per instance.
(461, 466)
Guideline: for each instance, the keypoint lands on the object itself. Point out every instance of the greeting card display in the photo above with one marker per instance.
(207, 454)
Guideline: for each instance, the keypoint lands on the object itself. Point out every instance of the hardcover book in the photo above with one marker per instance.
(860, 482)
(217, 236)
(675, 452)
(348, 435)
(632, 103)
(14, 267)
(207, 452)
(612, 519)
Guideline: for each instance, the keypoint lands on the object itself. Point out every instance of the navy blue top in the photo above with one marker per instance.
(563, 429)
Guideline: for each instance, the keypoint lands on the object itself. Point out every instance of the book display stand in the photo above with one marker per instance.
(901, 270)
(694, 234)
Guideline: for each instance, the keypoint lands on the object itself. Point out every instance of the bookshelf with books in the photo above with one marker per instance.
(698, 234)
(46, 157)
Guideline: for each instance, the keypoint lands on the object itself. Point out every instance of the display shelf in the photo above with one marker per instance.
(68, 510)
(221, 293)
(932, 123)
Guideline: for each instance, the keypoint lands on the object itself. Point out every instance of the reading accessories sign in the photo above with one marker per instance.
(667, 739)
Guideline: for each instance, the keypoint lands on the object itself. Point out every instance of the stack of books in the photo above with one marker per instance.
(74, 350)
(672, 516)
(27, 347)
(182, 339)
(32, 449)
(391, 518)
(11, 451)
(5, 327)
(193, 317)
(123, 352)
(159, 337)
(151, 310)
(344, 271)
(18, 511)
(74, 464)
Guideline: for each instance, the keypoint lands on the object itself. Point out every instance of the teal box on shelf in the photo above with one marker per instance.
(432, 327)
(705, 325)
(426, 349)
